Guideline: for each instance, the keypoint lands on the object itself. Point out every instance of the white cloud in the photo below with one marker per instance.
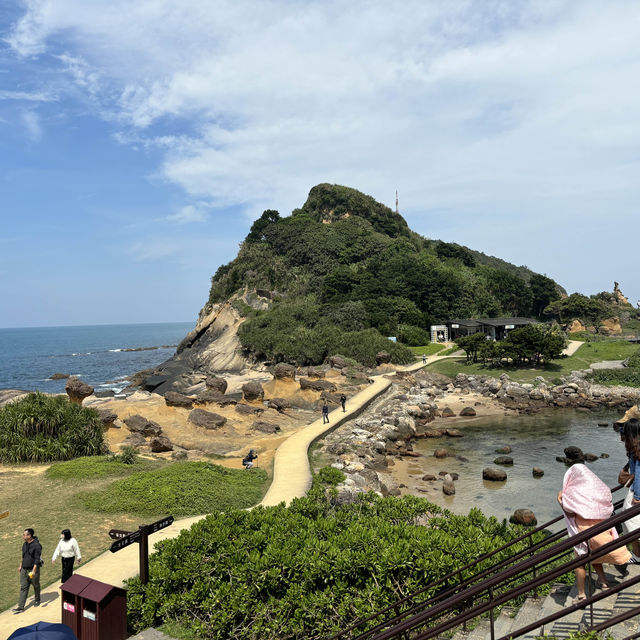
(31, 122)
(28, 96)
(498, 120)
(187, 214)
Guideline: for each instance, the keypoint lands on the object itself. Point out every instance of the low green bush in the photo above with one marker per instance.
(307, 570)
(94, 467)
(41, 428)
(613, 377)
(633, 362)
(179, 489)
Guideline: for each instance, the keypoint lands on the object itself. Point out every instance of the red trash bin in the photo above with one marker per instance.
(71, 610)
(103, 614)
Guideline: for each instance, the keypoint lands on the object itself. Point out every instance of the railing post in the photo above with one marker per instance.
(493, 631)
(534, 572)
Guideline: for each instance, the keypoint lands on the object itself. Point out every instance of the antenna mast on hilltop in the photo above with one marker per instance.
(397, 201)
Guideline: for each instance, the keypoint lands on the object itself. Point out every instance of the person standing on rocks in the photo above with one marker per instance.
(29, 569)
(325, 413)
(586, 501)
(69, 550)
(343, 402)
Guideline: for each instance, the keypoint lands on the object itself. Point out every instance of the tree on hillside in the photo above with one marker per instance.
(589, 310)
(544, 291)
(533, 344)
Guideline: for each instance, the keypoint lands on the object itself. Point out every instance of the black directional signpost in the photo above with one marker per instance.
(141, 536)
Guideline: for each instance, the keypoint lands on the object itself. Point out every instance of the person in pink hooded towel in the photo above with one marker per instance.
(586, 501)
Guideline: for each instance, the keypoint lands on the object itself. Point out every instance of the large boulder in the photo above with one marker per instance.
(279, 404)
(447, 412)
(494, 475)
(175, 399)
(248, 409)
(338, 362)
(214, 383)
(504, 460)
(440, 453)
(145, 427)
(160, 444)
(77, 390)
(383, 357)
(252, 391)
(107, 417)
(284, 371)
(265, 427)
(468, 411)
(537, 472)
(206, 419)
(59, 376)
(576, 326)
(611, 327)
(448, 488)
(317, 385)
(525, 517)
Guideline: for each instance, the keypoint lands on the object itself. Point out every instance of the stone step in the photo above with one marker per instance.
(529, 612)
(502, 623)
(627, 600)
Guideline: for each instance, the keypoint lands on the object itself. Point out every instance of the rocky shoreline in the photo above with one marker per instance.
(430, 405)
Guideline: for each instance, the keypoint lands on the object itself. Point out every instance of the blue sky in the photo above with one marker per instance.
(139, 140)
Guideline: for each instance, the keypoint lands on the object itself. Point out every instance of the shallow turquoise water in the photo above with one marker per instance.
(536, 441)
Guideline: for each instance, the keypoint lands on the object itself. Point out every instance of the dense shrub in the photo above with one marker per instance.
(633, 362)
(307, 570)
(613, 377)
(179, 489)
(41, 428)
(412, 336)
(89, 468)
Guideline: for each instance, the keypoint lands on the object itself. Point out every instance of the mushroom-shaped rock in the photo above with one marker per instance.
(265, 427)
(159, 444)
(175, 399)
(206, 419)
(504, 460)
(468, 411)
(284, 371)
(77, 390)
(143, 426)
(448, 488)
(505, 449)
(107, 417)
(248, 409)
(453, 433)
(446, 412)
(317, 385)
(494, 475)
(537, 472)
(383, 357)
(279, 404)
(252, 391)
(440, 453)
(214, 383)
(525, 517)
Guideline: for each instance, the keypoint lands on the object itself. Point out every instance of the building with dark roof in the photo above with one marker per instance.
(493, 328)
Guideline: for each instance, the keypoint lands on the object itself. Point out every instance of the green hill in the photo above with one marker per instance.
(344, 270)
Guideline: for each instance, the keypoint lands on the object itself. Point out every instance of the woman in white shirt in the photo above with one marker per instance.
(69, 550)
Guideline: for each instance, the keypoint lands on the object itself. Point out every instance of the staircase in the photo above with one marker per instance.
(561, 596)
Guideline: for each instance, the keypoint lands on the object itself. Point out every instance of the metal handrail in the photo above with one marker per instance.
(490, 584)
(457, 574)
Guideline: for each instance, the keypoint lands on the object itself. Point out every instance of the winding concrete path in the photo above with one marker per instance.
(291, 479)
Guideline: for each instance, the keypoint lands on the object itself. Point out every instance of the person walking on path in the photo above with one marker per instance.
(325, 413)
(586, 501)
(424, 358)
(29, 569)
(343, 402)
(69, 550)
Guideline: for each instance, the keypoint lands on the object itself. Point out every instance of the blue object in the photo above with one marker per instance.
(44, 631)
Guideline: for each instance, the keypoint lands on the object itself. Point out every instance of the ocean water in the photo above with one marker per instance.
(97, 354)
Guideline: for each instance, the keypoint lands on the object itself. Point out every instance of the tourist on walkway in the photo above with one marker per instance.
(343, 402)
(630, 435)
(29, 569)
(586, 501)
(325, 413)
(424, 358)
(69, 550)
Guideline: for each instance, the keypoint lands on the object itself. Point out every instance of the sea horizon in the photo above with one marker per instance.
(103, 355)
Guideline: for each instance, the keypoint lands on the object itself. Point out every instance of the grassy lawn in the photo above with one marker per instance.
(48, 499)
(588, 353)
(427, 349)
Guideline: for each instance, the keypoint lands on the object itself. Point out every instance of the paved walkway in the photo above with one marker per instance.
(291, 479)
